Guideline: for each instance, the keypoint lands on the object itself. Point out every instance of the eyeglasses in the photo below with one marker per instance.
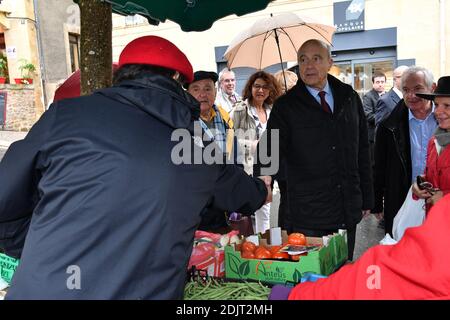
(258, 86)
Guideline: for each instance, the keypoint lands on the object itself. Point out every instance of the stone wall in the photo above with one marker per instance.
(21, 111)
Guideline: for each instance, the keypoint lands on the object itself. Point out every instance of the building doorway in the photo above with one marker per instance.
(358, 73)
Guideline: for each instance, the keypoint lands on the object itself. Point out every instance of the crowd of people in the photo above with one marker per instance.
(96, 178)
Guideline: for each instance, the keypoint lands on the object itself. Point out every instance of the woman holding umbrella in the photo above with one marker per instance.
(250, 120)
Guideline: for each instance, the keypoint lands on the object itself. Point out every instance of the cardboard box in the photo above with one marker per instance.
(322, 261)
(339, 243)
(8, 266)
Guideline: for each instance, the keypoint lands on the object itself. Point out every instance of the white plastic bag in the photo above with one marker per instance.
(3, 284)
(411, 214)
(387, 240)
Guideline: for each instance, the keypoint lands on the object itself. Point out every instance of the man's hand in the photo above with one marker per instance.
(421, 194)
(365, 213)
(268, 182)
(435, 197)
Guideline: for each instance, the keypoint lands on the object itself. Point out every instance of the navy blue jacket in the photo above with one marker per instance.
(95, 186)
(385, 105)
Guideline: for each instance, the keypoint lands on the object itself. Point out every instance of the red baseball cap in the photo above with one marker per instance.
(156, 51)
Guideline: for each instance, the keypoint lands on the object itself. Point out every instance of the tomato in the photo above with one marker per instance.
(295, 257)
(260, 249)
(297, 239)
(248, 246)
(274, 249)
(262, 253)
(248, 255)
(280, 255)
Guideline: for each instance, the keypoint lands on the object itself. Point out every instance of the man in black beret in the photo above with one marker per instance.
(215, 120)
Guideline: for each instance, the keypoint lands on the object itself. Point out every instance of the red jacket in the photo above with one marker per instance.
(438, 167)
(417, 267)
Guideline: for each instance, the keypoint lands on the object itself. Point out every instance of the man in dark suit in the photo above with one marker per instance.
(401, 144)
(369, 102)
(388, 101)
(323, 141)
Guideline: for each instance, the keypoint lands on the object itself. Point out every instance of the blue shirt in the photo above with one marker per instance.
(420, 132)
(328, 96)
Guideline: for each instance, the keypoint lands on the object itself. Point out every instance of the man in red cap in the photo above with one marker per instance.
(92, 201)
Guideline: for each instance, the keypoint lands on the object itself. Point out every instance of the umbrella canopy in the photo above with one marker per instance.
(71, 88)
(274, 39)
(191, 15)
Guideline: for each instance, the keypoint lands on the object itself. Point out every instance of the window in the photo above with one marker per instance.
(358, 73)
(74, 43)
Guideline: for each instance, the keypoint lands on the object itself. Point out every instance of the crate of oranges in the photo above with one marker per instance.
(284, 263)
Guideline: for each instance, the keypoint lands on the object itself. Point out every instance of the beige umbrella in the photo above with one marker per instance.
(274, 39)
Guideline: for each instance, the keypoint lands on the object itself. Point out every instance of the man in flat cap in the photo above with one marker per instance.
(215, 120)
(92, 200)
(216, 124)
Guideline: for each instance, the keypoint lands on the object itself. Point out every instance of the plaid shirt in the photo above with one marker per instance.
(219, 132)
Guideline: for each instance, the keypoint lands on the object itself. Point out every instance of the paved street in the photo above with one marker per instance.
(8, 137)
(368, 234)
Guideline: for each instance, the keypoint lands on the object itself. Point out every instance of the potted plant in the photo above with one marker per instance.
(3, 69)
(26, 70)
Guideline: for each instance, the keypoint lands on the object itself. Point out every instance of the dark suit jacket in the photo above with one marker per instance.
(328, 170)
(393, 167)
(369, 102)
(385, 105)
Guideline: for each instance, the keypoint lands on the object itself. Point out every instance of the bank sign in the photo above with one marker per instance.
(349, 16)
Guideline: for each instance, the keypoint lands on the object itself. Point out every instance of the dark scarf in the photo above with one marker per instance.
(442, 137)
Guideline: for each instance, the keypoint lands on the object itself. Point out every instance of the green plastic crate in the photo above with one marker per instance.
(8, 266)
(273, 271)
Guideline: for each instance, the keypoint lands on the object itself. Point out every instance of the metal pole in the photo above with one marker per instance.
(41, 54)
(281, 58)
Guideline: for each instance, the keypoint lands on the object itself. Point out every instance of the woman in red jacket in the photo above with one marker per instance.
(437, 171)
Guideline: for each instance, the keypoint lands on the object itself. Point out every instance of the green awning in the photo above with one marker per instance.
(191, 15)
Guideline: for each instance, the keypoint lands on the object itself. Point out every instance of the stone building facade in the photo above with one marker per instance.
(45, 33)
(20, 112)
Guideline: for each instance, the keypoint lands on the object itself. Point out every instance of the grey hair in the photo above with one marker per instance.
(223, 71)
(401, 68)
(318, 42)
(428, 76)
